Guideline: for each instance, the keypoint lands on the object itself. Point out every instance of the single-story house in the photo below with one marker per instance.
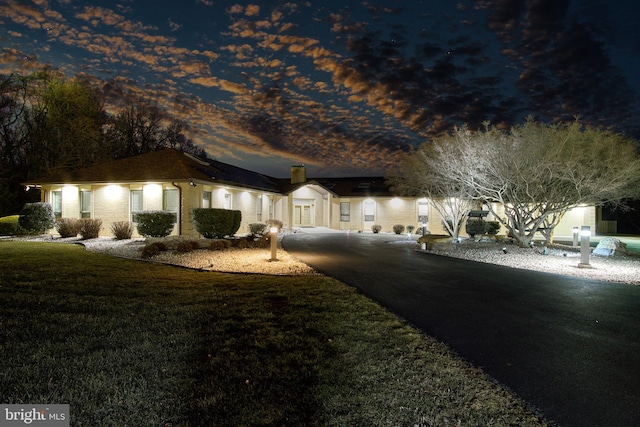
(174, 181)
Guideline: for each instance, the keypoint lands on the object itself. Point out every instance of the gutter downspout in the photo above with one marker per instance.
(179, 219)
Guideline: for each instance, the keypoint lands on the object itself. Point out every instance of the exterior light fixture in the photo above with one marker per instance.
(576, 233)
(585, 249)
(191, 183)
(274, 243)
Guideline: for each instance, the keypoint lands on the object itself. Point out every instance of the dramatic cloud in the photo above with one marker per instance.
(343, 89)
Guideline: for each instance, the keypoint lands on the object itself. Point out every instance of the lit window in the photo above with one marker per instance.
(227, 201)
(85, 204)
(56, 203)
(136, 203)
(206, 199)
(369, 210)
(170, 200)
(345, 211)
(259, 208)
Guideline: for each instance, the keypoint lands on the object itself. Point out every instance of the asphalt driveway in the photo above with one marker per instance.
(570, 347)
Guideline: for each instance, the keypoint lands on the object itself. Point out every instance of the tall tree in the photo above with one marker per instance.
(67, 132)
(135, 130)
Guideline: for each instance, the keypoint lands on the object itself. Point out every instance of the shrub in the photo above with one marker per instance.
(122, 230)
(90, 228)
(410, 229)
(153, 249)
(476, 226)
(68, 227)
(9, 226)
(262, 242)
(219, 245)
(493, 227)
(155, 223)
(376, 228)
(187, 246)
(275, 223)
(216, 223)
(257, 228)
(244, 244)
(398, 228)
(37, 217)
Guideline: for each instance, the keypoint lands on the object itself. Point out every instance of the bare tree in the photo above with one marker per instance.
(423, 173)
(538, 172)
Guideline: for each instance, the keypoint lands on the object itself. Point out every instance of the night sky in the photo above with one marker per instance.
(341, 89)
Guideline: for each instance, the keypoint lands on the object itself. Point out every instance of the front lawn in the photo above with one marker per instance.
(135, 343)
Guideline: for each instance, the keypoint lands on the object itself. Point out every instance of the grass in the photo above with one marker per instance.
(133, 343)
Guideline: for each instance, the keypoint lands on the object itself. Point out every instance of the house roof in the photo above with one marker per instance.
(163, 165)
(172, 165)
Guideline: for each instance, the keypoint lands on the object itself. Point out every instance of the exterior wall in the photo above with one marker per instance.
(110, 203)
(113, 203)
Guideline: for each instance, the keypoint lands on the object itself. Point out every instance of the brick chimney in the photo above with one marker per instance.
(298, 174)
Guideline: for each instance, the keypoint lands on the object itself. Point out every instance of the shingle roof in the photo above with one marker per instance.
(163, 165)
(172, 165)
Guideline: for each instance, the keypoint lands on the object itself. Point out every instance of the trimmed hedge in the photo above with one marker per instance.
(37, 217)
(155, 223)
(215, 223)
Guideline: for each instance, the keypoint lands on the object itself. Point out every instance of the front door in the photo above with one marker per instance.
(303, 214)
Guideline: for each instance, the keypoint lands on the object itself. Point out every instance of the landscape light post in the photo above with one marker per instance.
(576, 233)
(274, 243)
(585, 248)
(424, 233)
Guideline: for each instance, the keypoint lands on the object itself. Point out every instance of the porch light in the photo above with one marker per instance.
(585, 249)
(274, 243)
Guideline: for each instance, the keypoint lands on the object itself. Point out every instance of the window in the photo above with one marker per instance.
(85, 204)
(423, 211)
(206, 199)
(170, 200)
(369, 210)
(259, 208)
(136, 203)
(227, 200)
(345, 211)
(56, 203)
(271, 208)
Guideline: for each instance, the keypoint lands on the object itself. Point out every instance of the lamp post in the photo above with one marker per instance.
(576, 233)
(424, 233)
(274, 243)
(585, 249)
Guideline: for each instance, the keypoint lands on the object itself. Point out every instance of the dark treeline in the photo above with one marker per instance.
(49, 123)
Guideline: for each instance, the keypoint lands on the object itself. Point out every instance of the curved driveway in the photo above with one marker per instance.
(570, 347)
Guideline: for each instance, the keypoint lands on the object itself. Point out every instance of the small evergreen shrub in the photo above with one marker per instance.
(153, 249)
(68, 227)
(155, 223)
(257, 228)
(215, 223)
(376, 228)
(122, 230)
(262, 242)
(476, 226)
(187, 246)
(90, 228)
(493, 227)
(398, 228)
(219, 245)
(410, 229)
(37, 217)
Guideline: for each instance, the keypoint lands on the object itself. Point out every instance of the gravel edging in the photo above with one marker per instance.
(620, 268)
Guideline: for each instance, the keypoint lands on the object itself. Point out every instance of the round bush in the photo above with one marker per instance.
(155, 223)
(37, 217)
